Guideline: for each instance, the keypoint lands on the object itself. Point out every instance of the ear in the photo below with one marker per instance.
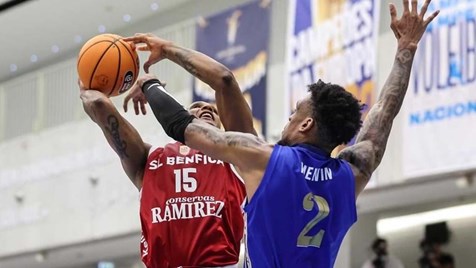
(307, 124)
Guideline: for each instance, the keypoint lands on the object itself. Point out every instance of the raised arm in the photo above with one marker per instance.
(367, 152)
(121, 136)
(234, 112)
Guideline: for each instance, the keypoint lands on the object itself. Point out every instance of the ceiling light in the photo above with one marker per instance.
(385, 226)
(55, 49)
(126, 18)
(154, 6)
(13, 68)
(33, 58)
(101, 28)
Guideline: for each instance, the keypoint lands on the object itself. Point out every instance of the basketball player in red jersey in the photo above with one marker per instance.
(191, 204)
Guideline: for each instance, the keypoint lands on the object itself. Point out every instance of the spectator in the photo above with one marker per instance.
(380, 257)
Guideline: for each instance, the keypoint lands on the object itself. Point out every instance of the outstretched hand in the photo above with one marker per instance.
(412, 25)
(137, 96)
(150, 43)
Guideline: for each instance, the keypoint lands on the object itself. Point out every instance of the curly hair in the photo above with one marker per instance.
(337, 113)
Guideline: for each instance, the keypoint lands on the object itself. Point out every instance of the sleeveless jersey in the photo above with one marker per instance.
(301, 210)
(191, 209)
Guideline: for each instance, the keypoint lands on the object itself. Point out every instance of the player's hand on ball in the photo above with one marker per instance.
(150, 43)
(86, 92)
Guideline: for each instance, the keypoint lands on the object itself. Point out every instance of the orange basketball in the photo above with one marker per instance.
(108, 64)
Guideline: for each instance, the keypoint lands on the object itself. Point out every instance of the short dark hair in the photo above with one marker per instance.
(337, 113)
(376, 243)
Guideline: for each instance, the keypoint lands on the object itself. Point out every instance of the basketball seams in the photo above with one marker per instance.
(96, 66)
(88, 48)
(134, 60)
(118, 68)
(132, 56)
(99, 61)
(95, 43)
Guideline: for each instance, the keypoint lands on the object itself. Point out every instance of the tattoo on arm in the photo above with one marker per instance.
(380, 118)
(231, 139)
(113, 130)
(183, 57)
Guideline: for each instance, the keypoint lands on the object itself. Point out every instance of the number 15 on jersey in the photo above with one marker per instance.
(184, 180)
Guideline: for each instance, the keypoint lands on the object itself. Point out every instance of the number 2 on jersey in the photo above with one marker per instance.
(184, 181)
(323, 211)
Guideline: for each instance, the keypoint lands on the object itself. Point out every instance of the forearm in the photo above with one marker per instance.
(396, 85)
(170, 114)
(121, 136)
(208, 70)
(379, 120)
(243, 150)
(233, 109)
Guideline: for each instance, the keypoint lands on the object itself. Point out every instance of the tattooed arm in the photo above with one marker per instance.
(234, 112)
(249, 153)
(367, 152)
(121, 136)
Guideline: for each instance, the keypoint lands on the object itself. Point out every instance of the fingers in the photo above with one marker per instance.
(126, 102)
(432, 17)
(393, 12)
(81, 86)
(414, 6)
(143, 48)
(142, 107)
(393, 15)
(406, 6)
(147, 65)
(136, 106)
(137, 38)
(424, 8)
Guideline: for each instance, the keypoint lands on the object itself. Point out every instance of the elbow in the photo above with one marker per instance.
(226, 79)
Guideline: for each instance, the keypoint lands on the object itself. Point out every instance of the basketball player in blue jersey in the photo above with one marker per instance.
(301, 200)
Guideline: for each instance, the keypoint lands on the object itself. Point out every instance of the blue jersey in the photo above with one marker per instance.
(301, 211)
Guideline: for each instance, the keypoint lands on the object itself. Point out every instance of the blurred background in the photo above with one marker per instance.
(66, 202)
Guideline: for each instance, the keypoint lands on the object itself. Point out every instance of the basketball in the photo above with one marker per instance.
(108, 64)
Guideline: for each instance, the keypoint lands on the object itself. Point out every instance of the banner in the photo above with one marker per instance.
(440, 109)
(334, 41)
(238, 38)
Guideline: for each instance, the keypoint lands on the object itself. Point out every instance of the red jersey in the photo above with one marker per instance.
(191, 209)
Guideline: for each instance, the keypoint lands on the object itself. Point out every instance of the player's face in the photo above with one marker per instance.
(206, 112)
(292, 132)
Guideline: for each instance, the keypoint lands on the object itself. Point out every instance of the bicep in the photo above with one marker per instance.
(362, 159)
(124, 140)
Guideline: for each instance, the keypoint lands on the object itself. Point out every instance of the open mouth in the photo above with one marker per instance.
(206, 116)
